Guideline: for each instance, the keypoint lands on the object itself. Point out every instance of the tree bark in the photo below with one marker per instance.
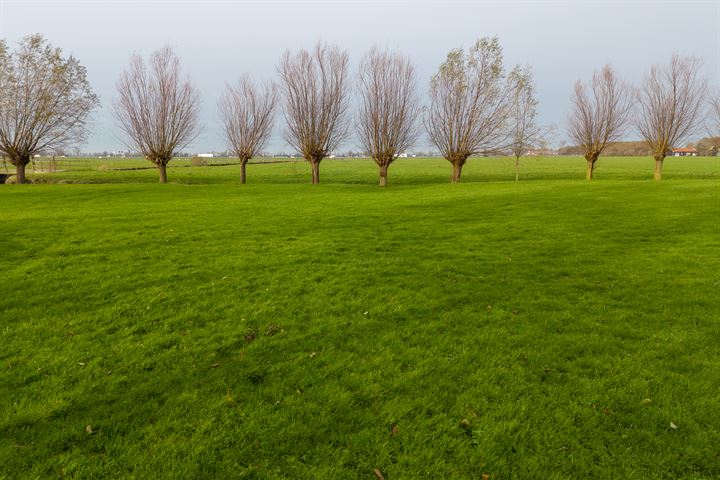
(315, 165)
(242, 170)
(383, 175)
(457, 171)
(20, 172)
(20, 162)
(162, 168)
(517, 168)
(590, 169)
(658, 167)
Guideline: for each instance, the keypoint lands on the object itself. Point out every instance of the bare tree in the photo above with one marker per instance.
(45, 101)
(247, 115)
(315, 88)
(713, 125)
(599, 116)
(389, 107)
(525, 131)
(671, 100)
(157, 109)
(470, 104)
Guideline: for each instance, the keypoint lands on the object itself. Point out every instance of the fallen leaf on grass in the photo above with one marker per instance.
(394, 430)
(88, 429)
(673, 426)
(378, 474)
(214, 365)
(273, 329)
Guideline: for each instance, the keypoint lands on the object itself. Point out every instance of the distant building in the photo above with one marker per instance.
(205, 155)
(683, 152)
(540, 152)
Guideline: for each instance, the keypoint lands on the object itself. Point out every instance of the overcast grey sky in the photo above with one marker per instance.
(219, 40)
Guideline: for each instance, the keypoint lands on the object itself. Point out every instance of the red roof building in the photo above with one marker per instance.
(684, 152)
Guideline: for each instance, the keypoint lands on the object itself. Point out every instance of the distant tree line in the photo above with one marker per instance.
(476, 106)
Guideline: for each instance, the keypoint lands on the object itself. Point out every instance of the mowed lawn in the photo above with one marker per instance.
(552, 328)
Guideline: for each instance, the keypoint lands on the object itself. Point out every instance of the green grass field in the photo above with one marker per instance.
(548, 329)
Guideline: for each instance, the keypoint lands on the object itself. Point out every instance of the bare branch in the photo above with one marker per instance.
(389, 107)
(601, 115)
(525, 131)
(315, 88)
(470, 100)
(671, 100)
(713, 120)
(157, 109)
(45, 101)
(247, 115)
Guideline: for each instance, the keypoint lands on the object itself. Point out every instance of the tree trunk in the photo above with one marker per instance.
(383, 175)
(242, 170)
(20, 172)
(162, 168)
(315, 165)
(658, 167)
(20, 162)
(517, 168)
(457, 171)
(590, 168)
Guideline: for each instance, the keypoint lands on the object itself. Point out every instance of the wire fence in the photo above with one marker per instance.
(59, 164)
(64, 164)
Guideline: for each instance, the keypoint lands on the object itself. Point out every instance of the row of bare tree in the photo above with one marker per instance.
(476, 106)
(666, 109)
